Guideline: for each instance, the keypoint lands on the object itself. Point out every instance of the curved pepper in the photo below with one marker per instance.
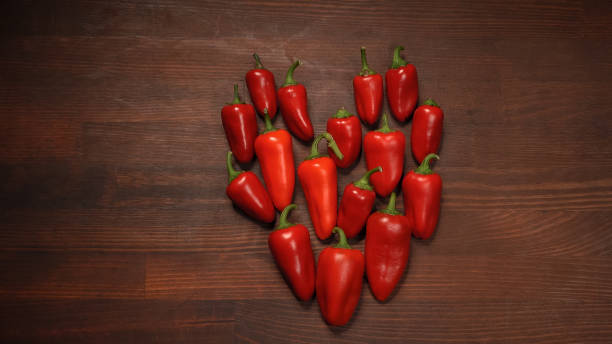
(422, 190)
(356, 204)
(402, 87)
(385, 148)
(339, 281)
(346, 130)
(291, 249)
(368, 87)
(426, 129)
(262, 88)
(387, 249)
(294, 106)
(240, 125)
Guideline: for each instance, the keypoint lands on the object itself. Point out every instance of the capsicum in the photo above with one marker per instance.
(240, 125)
(356, 204)
(262, 88)
(294, 106)
(385, 148)
(426, 129)
(346, 130)
(402, 86)
(368, 88)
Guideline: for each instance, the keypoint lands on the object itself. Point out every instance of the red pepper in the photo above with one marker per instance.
(368, 87)
(356, 204)
(290, 246)
(275, 153)
(247, 192)
(319, 181)
(385, 148)
(294, 106)
(339, 281)
(346, 130)
(240, 126)
(262, 88)
(387, 248)
(426, 129)
(422, 191)
(402, 87)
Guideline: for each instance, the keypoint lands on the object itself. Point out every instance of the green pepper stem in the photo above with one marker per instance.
(282, 222)
(231, 172)
(268, 122)
(342, 113)
(236, 96)
(431, 102)
(365, 69)
(398, 61)
(424, 167)
(258, 64)
(289, 81)
(342, 242)
(331, 143)
(364, 182)
(391, 206)
(384, 127)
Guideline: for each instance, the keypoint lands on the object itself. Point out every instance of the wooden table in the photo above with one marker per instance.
(116, 227)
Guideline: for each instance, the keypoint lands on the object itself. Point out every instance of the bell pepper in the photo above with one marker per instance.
(422, 190)
(262, 88)
(346, 130)
(356, 204)
(387, 248)
(291, 249)
(368, 87)
(247, 192)
(339, 281)
(275, 153)
(319, 179)
(426, 129)
(240, 125)
(385, 148)
(402, 87)
(294, 106)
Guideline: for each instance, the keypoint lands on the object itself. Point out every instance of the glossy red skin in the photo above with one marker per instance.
(422, 195)
(387, 151)
(249, 194)
(262, 89)
(402, 91)
(368, 97)
(275, 153)
(355, 207)
(339, 282)
(347, 134)
(294, 108)
(292, 252)
(319, 181)
(387, 249)
(426, 131)
(240, 125)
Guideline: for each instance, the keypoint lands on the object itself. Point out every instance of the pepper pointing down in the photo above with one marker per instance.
(294, 106)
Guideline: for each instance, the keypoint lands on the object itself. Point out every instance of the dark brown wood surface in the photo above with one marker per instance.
(115, 227)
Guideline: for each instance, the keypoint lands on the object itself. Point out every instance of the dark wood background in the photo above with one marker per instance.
(116, 228)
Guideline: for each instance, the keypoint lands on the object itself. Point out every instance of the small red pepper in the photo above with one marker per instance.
(426, 129)
(346, 130)
(319, 179)
(262, 88)
(385, 148)
(368, 87)
(339, 281)
(240, 125)
(356, 204)
(247, 192)
(291, 249)
(387, 249)
(294, 106)
(402, 87)
(422, 190)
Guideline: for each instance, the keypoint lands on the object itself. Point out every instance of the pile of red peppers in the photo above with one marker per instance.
(337, 276)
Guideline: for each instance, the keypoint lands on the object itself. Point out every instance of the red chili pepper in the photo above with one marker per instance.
(262, 88)
(356, 204)
(368, 87)
(290, 246)
(422, 191)
(426, 129)
(319, 181)
(240, 125)
(387, 248)
(385, 147)
(346, 130)
(402, 87)
(294, 106)
(339, 281)
(247, 192)
(275, 153)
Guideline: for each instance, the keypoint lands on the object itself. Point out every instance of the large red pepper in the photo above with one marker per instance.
(402, 87)
(290, 246)
(294, 106)
(240, 125)
(426, 129)
(247, 192)
(346, 130)
(262, 88)
(422, 190)
(356, 204)
(368, 87)
(275, 153)
(339, 281)
(319, 179)
(385, 148)
(387, 248)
